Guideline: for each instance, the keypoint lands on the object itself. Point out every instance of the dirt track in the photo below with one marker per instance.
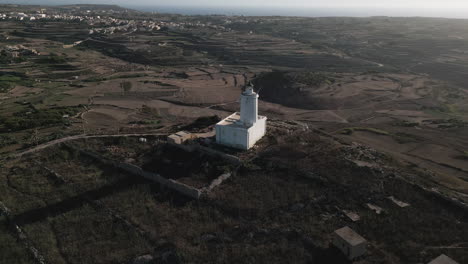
(70, 138)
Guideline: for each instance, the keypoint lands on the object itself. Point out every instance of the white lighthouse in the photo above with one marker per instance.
(249, 106)
(242, 130)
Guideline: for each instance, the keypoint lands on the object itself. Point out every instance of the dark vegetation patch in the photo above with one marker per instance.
(182, 75)
(121, 76)
(145, 122)
(11, 251)
(350, 130)
(175, 163)
(6, 140)
(154, 112)
(158, 83)
(313, 78)
(116, 50)
(7, 58)
(65, 32)
(403, 138)
(346, 186)
(290, 89)
(281, 207)
(123, 149)
(400, 137)
(66, 75)
(449, 123)
(201, 123)
(10, 80)
(35, 118)
(32, 139)
(52, 59)
(404, 123)
(63, 67)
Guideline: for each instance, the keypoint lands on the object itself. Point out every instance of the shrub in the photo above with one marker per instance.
(52, 59)
(9, 81)
(6, 140)
(314, 78)
(405, 123)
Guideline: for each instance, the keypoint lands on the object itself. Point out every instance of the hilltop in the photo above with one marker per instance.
(364, 113)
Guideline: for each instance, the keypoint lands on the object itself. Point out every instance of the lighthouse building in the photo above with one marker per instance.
(242, 130)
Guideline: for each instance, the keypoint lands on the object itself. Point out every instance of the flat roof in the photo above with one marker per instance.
(230, 120)
(180, 134)
(233, 120)
(350, 236)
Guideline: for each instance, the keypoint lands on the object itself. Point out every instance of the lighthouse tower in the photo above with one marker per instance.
(242, 130)
(249, 106)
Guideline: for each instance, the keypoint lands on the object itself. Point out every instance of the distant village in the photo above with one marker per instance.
(102, 22)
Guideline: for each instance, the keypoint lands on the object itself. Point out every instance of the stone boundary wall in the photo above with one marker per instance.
(21, 236)
(216, 182)
(179, 187)
(435, 192)
(174, 185)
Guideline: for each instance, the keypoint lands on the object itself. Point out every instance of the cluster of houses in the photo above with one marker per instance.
(22, 16)
(18, 50)
(105, 24)
(112, 26)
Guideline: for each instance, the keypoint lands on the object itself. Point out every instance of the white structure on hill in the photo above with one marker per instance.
(349, 242)
(242, 130)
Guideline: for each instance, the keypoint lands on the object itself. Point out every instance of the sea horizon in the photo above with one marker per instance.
(455, 13)
(303, 12)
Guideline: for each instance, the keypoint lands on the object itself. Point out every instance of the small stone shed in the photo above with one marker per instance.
(443, 259)
(179, 137)
(349, 242)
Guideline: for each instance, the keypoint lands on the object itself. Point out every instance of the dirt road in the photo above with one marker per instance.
(70, 138)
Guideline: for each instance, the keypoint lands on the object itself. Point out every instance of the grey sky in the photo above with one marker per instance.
(446, 4)
(319, 3)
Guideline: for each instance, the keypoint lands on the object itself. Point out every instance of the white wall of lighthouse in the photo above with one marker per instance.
(242, 130)
(249, 107)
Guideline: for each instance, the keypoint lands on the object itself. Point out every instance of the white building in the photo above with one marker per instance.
(242, 130)
(349, 242)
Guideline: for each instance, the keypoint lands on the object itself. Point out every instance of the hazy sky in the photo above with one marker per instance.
(320, 3)
(314, 8)
(449, 4)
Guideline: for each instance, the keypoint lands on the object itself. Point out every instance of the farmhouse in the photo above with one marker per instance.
(349, 242)
(242, 130)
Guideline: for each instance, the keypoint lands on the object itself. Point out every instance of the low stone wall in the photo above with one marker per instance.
(179, 187)
(21, 236)
(171, 184)
(216, 182)
(229, 158)
(135, 170)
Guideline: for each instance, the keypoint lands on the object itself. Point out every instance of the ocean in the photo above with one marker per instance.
(268, 11)
(304, 12)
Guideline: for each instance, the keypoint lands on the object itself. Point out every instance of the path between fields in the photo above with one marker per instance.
(65, 139)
